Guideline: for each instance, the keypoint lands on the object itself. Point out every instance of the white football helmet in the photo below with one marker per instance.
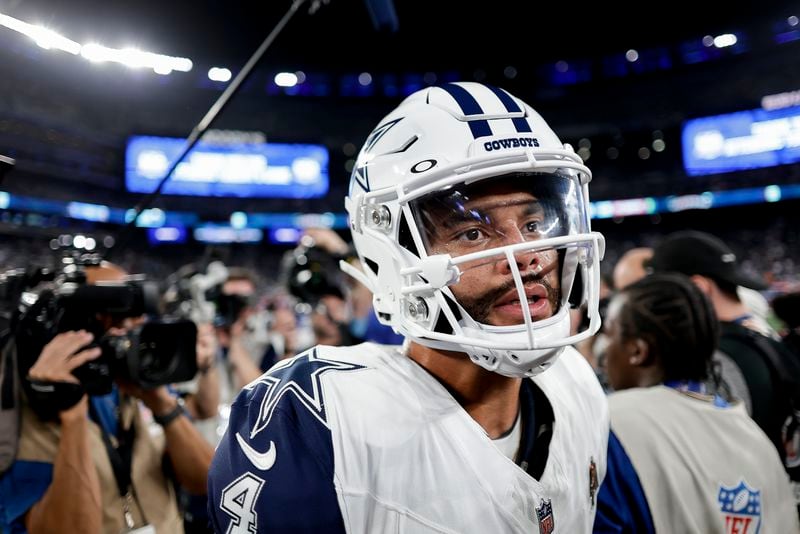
(428, 244)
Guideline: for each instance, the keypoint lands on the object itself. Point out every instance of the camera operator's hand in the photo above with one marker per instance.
(158, 400)
(206, 347)
(61, 356)
(204, 402)
(328, 240)
(244, 367)
(189, 453)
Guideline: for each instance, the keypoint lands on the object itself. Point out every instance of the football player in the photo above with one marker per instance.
(470, 219)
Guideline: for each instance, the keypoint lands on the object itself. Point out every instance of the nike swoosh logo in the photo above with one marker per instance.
(262, 460)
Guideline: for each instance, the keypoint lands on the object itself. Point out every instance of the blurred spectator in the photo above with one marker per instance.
(341, 309)
(631, 267)
(680, 460)
(364, 323)
(241, 354)
(284, 340)
(759, 309)
(592, 347)
(787, 309)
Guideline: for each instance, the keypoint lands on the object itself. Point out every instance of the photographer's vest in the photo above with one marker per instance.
(39, 443)
(703, 468)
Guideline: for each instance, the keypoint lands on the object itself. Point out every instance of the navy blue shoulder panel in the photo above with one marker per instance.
(273, 470)
(621, 503)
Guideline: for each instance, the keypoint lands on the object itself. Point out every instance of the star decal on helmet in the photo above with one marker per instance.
(361, 173)
(379, 132)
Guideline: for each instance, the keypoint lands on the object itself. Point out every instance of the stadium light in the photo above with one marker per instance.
(97, 53)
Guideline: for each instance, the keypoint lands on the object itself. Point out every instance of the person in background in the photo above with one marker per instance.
(631, 267)
(787, 310)
(356, 311)
(759, 308)
(96, 467)
(713, 268)
(680, 460)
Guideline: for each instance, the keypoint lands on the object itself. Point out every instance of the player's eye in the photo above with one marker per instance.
(470, 235)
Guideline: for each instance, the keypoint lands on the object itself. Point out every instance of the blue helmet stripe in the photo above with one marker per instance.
(469, 106)
(519, 123)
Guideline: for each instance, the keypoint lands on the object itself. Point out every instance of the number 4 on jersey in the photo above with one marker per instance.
(239, 500)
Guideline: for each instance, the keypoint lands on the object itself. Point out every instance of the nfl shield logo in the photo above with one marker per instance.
(741, 508)
(545, 515)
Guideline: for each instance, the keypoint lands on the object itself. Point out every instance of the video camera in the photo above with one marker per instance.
(38, 303)
(198, 294)
(310, 273)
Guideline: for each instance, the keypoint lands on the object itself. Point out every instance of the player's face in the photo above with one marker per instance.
(493, 217)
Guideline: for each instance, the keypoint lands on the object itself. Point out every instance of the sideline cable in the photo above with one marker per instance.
(209, 118)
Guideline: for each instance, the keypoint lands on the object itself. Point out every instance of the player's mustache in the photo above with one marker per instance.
(480, 307)
(494, 294)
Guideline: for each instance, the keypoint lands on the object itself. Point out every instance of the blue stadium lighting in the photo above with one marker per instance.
(687, 202)
(285, 79)
(211, 233)
(772, 193)
(252, 233)
(238, 220)
(743, 140)
(228, 169)
(149, 218)
(167, 234)
(88, 212)
(285, 235)
(787, 30)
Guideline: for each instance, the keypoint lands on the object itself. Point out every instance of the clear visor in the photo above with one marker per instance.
(503, 230)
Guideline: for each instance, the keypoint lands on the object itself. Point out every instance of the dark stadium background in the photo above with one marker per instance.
(66, 121)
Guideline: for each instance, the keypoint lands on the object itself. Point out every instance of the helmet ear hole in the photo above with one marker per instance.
(372, 265)
(576, 294)
(442, 326)
(404, 237)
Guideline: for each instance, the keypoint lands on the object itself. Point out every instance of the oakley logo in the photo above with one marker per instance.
(262, 460)
(510, 142)
(424, 165)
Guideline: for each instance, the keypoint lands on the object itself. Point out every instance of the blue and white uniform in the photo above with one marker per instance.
(363, 439)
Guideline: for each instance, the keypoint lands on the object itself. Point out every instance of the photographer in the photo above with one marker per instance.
(241, 348)
(97, 467)
(342, 312)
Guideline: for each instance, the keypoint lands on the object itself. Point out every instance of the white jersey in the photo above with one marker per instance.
(703, 468)
(363, 439)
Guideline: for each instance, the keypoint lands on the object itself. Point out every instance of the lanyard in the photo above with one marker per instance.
(692, 386)
(121, 459)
